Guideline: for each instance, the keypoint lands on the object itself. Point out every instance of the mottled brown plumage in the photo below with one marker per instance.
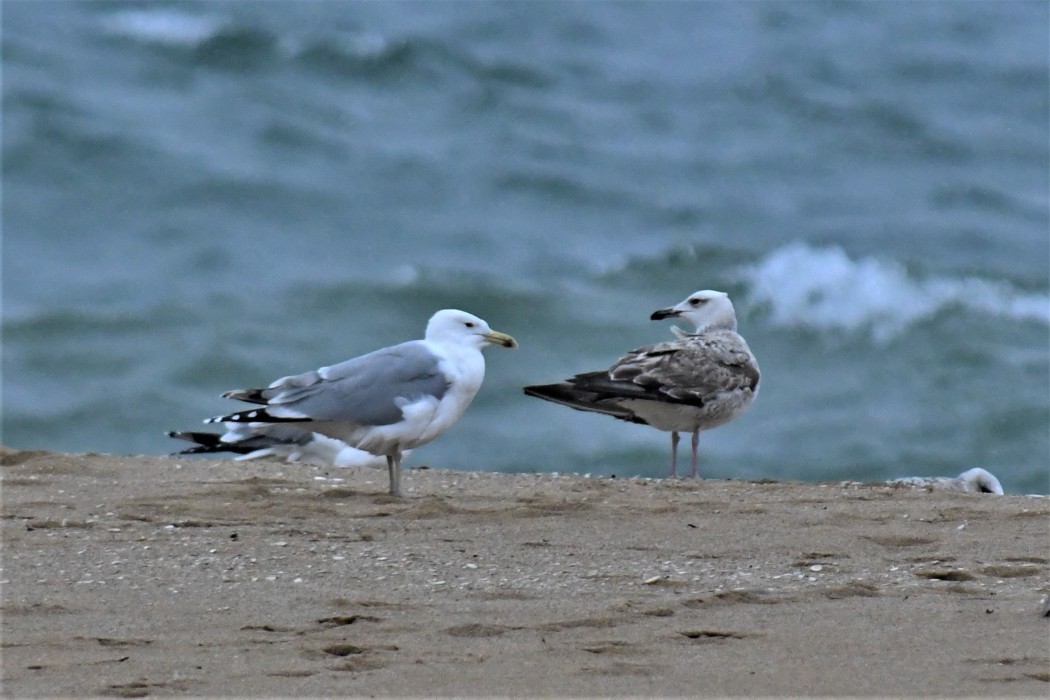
(694, 383)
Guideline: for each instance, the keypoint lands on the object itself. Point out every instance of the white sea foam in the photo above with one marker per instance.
(164, 26)
(823, 288)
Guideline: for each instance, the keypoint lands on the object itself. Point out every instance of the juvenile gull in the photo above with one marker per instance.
(697, 382)
(385, 402)
(283, 441)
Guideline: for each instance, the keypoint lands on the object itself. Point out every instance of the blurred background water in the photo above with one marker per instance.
(206, 196)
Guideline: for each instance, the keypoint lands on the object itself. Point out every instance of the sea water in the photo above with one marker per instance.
(206, 196)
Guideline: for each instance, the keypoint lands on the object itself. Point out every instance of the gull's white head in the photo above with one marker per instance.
(706, 310)
(453, 325)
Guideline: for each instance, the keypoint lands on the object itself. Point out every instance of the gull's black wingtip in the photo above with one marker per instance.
(540, 391)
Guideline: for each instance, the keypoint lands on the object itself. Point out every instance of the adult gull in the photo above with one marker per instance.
(696, 382)
(384, 403)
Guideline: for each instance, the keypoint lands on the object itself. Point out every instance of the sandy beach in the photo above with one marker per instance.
(137, 576)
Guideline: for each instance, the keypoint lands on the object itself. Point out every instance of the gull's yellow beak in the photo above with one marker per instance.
(497, 338)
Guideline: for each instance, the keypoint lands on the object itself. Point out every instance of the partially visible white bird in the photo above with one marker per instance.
(283, 441)
(386, 402)
(697, 382)
(974, 480)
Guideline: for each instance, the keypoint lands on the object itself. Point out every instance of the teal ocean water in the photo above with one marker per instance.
(206, 196)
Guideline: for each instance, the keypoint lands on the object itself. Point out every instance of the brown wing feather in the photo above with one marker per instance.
(693, 369)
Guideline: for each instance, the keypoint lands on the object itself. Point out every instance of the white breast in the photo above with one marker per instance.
(466, 371)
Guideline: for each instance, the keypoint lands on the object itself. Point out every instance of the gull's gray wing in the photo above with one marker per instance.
(365, 390)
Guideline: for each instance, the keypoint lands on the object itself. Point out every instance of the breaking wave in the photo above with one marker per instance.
(823, 288)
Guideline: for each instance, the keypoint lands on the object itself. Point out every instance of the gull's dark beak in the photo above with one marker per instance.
(661, 314)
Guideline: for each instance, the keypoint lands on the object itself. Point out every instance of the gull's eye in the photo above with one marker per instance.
(468, 324)
(696, 301)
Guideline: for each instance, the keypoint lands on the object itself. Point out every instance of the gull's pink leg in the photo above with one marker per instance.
(696, 441)
(674, 455)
